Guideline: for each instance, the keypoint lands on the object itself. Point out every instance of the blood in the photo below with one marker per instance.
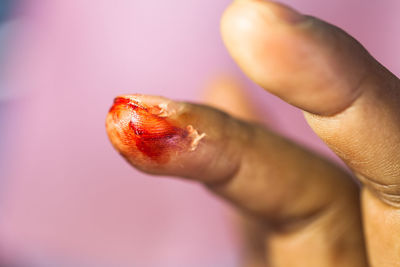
(154, 136)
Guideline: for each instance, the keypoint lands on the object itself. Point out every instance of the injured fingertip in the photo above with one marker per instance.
(147, 131)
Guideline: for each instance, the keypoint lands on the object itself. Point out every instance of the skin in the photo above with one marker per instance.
(296, 208)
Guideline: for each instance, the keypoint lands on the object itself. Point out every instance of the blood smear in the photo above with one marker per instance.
(153, 135)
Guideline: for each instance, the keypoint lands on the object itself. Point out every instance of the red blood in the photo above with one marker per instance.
(153, 135)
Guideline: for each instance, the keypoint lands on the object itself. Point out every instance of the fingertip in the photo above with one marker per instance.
(143, 130)
(160, 136)
(304, 61)
(245, 22)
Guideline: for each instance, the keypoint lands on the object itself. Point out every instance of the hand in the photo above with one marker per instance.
(307, 210)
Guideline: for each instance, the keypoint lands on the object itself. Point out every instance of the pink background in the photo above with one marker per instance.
(67, 198)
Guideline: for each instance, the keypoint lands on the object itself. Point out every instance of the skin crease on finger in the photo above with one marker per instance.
(227, 93)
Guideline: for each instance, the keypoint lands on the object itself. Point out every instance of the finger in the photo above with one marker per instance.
(350, 100)
(322, 70)
(226, 93)
(261, 173)
(270, 41)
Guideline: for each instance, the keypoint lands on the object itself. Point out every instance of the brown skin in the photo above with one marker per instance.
(300, 209)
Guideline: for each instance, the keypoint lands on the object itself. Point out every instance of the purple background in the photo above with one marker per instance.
(67, 197)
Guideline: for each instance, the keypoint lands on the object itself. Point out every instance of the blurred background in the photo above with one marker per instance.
(66, 197)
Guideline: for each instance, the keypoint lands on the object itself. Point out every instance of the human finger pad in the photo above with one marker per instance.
(302, 60)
